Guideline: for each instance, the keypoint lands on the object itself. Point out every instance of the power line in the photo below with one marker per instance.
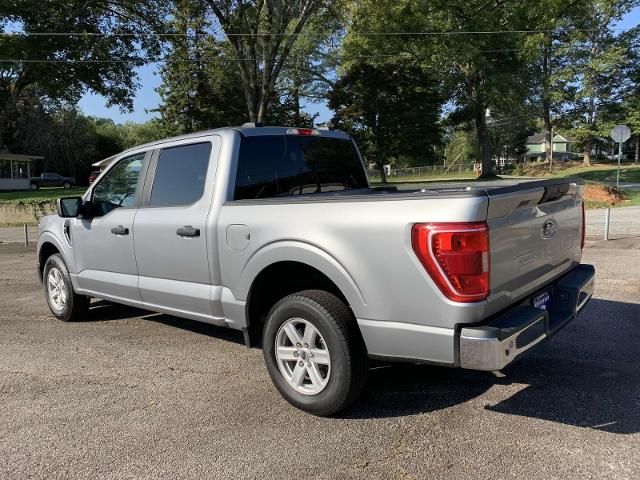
(300, 34)
(230, 59)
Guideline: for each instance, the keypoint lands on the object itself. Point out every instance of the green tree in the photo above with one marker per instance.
(132, 134)
(631, 101)
(476, 71)
(262, 34)
(201, 84)
(65, 66)
(595, 70)
(545, 51)
(393, 109)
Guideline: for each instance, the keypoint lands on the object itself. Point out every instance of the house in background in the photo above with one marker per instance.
(536, 148)
(15, 171)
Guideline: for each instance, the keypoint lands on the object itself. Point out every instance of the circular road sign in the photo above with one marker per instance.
(620, 133)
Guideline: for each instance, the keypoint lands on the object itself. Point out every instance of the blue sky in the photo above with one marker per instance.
(147, 98)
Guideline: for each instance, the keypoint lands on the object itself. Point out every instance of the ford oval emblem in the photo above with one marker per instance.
(549, 229)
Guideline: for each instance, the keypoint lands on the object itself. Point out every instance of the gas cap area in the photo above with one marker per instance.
(238, 237)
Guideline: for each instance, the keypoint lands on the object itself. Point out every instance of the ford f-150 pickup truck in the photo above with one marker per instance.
(276, 232)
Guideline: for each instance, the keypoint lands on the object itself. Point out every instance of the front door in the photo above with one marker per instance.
(103, 244)
(171, 230)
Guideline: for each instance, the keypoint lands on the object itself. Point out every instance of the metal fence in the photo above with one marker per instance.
(458, 170)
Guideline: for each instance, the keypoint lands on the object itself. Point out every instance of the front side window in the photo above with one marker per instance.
(180, 175)
(117, 188)
(285, 165)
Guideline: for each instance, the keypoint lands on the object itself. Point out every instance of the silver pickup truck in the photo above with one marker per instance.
(276, 232)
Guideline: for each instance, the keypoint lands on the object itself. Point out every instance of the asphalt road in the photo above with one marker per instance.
(127, 394)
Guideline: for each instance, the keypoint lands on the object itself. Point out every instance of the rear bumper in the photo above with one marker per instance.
(504, 339)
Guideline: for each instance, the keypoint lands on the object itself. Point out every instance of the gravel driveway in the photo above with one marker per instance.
(128, 394)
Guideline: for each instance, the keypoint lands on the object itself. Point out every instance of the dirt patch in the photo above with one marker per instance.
(599, 193)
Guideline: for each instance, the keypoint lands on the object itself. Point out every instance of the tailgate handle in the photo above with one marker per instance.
(188, 231)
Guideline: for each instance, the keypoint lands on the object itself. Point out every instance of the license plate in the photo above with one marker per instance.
(542, 300)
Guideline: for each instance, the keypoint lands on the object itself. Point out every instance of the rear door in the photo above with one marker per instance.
(171, 229)
(535, 233)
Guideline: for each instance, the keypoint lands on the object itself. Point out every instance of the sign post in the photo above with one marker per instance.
(620, 134)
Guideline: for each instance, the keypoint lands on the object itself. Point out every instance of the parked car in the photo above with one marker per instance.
(277, 233)
(93, 175)
(51, 180)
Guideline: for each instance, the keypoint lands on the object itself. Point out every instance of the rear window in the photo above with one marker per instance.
(285, 165)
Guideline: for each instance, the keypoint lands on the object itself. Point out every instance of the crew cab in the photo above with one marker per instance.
(277, 232)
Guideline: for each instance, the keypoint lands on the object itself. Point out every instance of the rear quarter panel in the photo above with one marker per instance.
(364, 246)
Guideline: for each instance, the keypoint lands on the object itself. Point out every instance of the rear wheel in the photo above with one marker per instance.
(63, 302)
(66, 185)
(34, 186)
(314, 352)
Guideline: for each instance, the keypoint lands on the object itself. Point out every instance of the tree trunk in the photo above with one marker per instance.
(586, 161)
(296, 106)
(636, 159)
(7, 122)
(548, 138)
(485, 144)
(546, 97)
(4, 126)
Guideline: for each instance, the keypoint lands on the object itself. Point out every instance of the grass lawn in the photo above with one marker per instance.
(43, 194)
(606, 174)
(602, 173)
(593, 174)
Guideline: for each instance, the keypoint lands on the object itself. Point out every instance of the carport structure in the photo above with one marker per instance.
(15, 171)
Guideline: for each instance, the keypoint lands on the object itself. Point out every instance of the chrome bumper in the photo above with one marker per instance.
(495, 345)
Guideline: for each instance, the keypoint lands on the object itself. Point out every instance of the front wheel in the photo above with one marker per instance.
(314, 352)
(63, 302)
(66, 185)
(34, 186)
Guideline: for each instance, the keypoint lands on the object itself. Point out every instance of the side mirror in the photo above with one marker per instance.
(69, 207)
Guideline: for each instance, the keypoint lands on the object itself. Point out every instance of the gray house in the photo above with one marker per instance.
(15, 171)
(561, 148)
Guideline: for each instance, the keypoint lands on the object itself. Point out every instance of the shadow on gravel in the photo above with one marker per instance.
(398, 390)
(594, 384)
(586, 376)
(103, 310)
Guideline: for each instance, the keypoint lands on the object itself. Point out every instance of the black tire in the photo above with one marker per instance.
(34, 186)
(76, 306)
(348, 356)
(66, 185)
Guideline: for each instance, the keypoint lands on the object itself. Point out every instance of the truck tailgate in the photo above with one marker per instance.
(535, 234)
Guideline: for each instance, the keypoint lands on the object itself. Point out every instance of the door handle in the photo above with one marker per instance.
(188, 231)
(120, 230)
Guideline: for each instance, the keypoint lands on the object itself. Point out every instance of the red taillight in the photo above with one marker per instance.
(584, 227)
(456, 256)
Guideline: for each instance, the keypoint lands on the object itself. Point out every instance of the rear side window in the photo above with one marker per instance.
(180, 175)
(285, 165)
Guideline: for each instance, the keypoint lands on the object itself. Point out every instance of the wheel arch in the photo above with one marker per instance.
(48, 245)
(303, 267)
